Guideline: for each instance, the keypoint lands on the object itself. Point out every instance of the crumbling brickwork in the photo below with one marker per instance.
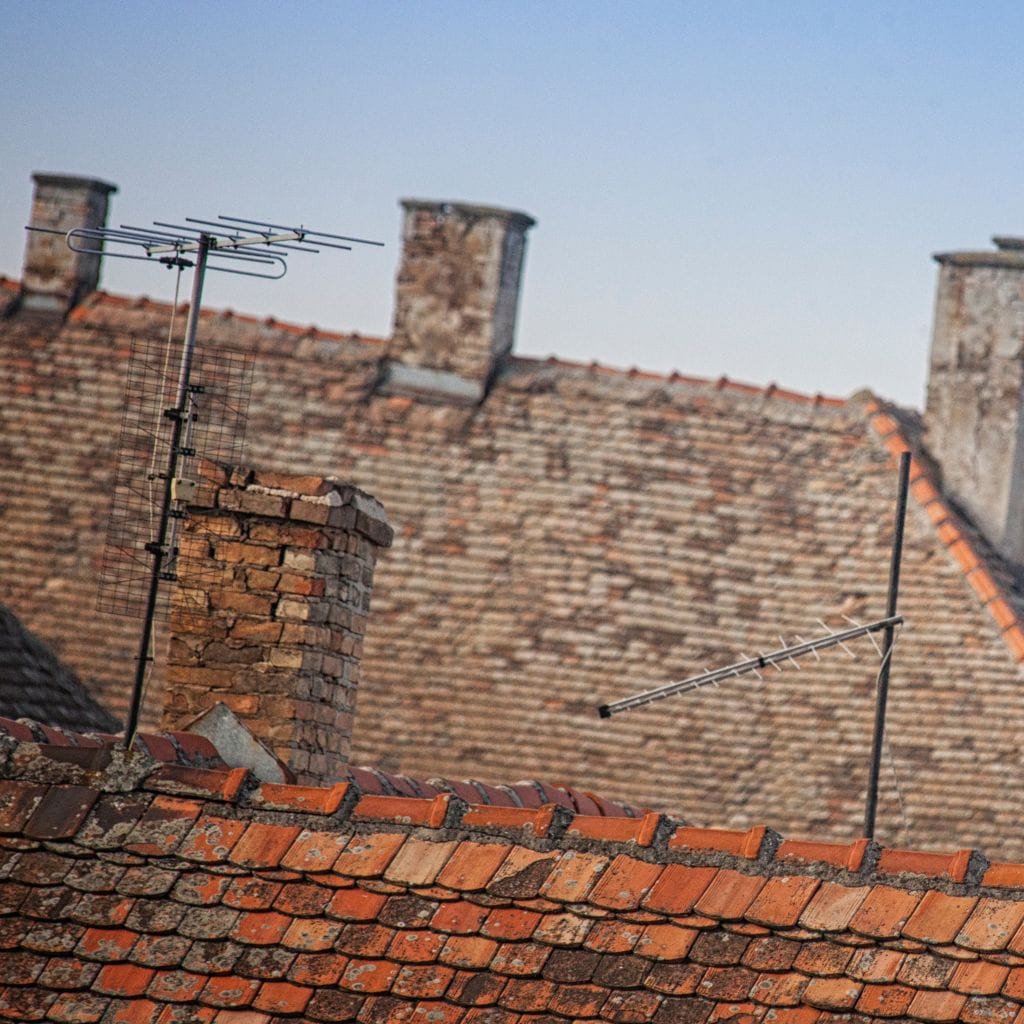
(459, 278)
(276, 574)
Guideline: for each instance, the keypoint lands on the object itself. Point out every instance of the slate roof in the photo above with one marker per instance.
(35, 684)
(581, 535)
(160, 892)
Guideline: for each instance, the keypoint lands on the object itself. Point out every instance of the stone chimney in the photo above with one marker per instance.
(55, 277)
(974, 413)
(270, 610)
(455, 307)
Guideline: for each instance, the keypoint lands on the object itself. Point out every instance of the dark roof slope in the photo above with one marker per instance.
(35, 684)
(581, 535)
(154, 894)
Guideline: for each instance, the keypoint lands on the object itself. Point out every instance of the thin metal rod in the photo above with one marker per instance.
(748, 665)
(308, 231)
(213, 242)
(158, 547)
(882, 695)
(232, 233)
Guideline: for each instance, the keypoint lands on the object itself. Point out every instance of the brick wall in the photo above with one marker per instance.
(275, 579)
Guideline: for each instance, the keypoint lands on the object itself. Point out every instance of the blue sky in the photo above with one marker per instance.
(752, 189)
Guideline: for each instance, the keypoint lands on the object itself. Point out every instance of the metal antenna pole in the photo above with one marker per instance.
(883, 675)
(218, 245)
(158, 548)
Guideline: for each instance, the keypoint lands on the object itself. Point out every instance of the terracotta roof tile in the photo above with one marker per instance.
(419, 862)
(522, 874)
(625, 884)
(782, 900)
(263, 845)
(953, 866)
(742, 844)
(163, 826)
(245, 915)
(979, 978)
(472, 865)
(938, 917)
(884, 912)
(314, 851)
(18, 800)
(846, 855)
(981, 1010)
(729, 895)
(368, 855)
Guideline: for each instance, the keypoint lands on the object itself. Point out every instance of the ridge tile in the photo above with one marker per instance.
(934, 865)
(739, 844)
(277, 796)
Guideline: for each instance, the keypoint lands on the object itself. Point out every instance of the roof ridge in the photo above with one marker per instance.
(722, 383)
(950, 529)
(33, 802)
(80, 313)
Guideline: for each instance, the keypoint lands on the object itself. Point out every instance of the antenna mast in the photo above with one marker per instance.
(215, 245)
(832, 639)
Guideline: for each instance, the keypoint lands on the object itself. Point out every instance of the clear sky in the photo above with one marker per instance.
(743, 188)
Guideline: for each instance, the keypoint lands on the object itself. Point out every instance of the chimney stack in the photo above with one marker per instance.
(275, 575)
(974, 413)
(456, 301)
(55, 277)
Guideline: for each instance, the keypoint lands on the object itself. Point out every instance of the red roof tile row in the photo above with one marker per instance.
(194, 894)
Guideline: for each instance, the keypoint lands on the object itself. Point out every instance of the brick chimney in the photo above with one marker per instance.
(457, 294)
(270, 611)
(974, 414)
(55, 277)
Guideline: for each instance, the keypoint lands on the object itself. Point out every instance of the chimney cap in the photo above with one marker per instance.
(73, 181)
(470, 210)
(1011, 258)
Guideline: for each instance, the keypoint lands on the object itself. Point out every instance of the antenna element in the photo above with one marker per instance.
(261, 251)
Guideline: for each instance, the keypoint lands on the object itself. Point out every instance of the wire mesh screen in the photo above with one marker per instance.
(217, 408)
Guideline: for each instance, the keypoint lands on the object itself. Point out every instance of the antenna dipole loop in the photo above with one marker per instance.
(253, 248)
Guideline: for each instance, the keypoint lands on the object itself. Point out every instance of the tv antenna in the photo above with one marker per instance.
(234, 245)
(772, 659)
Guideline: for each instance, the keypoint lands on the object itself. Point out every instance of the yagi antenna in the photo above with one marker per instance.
(749, 665)
(254, 248)
(831, 639)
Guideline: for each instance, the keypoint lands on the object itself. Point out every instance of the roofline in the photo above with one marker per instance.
(653, 837)
(949, 527)
(80, 314)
